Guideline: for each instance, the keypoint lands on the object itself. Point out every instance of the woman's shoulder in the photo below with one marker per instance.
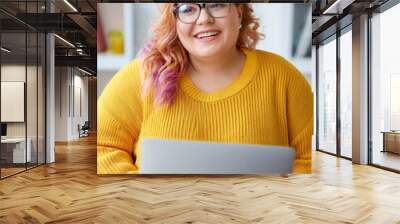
(279, 67)
(269, 61)
(267, 58)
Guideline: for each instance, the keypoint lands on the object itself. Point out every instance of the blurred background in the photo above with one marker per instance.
(123, 28)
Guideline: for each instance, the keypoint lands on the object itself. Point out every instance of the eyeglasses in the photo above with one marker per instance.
(190, 12)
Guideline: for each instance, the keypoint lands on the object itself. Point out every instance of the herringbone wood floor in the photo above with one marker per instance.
(69, 191)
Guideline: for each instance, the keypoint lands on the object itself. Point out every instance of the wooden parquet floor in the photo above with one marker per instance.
(10, 171)
(69, 191)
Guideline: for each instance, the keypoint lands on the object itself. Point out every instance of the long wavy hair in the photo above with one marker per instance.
(165, 58)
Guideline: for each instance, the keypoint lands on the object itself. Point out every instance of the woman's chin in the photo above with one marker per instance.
(208, 52)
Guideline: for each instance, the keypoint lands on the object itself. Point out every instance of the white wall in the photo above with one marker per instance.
(69, 82)
(142, 26)
(276, 22)
(80, 83)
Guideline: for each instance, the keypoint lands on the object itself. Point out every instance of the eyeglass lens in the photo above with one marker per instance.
(189, 13)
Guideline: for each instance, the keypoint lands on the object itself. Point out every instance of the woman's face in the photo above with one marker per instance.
(208, 36)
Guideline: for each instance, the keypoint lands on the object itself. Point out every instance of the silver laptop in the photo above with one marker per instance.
(159, 156)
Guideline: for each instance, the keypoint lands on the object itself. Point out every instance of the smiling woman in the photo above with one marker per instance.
(200, 78)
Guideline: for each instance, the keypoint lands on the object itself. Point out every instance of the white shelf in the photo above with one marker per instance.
(112, 62)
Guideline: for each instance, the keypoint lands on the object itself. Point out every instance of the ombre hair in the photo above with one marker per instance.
(165, 58)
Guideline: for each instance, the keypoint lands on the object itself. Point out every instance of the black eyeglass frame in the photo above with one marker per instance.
(201, 6)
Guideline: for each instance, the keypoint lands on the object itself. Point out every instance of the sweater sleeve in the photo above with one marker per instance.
(300, 111)
(119, 120)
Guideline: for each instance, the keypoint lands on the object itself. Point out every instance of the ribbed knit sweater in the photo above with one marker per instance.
(270, 103)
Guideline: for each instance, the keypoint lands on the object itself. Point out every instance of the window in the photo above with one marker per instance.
(385, 89)
(327, 97)
(346, 94)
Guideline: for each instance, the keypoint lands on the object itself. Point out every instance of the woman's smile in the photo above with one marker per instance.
(207, 36)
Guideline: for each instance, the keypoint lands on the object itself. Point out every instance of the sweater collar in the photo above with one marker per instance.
(244, 78)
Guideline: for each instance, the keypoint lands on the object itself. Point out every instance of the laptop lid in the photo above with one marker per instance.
(160, 156)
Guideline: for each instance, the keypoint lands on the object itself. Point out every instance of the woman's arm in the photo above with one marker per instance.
(119, 120)
(300, 108)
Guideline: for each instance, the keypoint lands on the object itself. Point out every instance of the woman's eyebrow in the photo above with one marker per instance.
(183, 3)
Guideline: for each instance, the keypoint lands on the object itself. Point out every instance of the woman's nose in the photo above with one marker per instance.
(204, 17)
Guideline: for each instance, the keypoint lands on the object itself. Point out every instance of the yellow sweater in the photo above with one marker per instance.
(270, 103)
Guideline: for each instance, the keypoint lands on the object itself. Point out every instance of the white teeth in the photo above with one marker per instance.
(206, 34)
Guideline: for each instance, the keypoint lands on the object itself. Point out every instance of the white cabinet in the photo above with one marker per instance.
(17, 148)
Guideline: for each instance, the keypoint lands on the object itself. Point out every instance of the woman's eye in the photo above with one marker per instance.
(186, 9)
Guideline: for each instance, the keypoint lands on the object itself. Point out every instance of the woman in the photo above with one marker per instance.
(200, 78)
